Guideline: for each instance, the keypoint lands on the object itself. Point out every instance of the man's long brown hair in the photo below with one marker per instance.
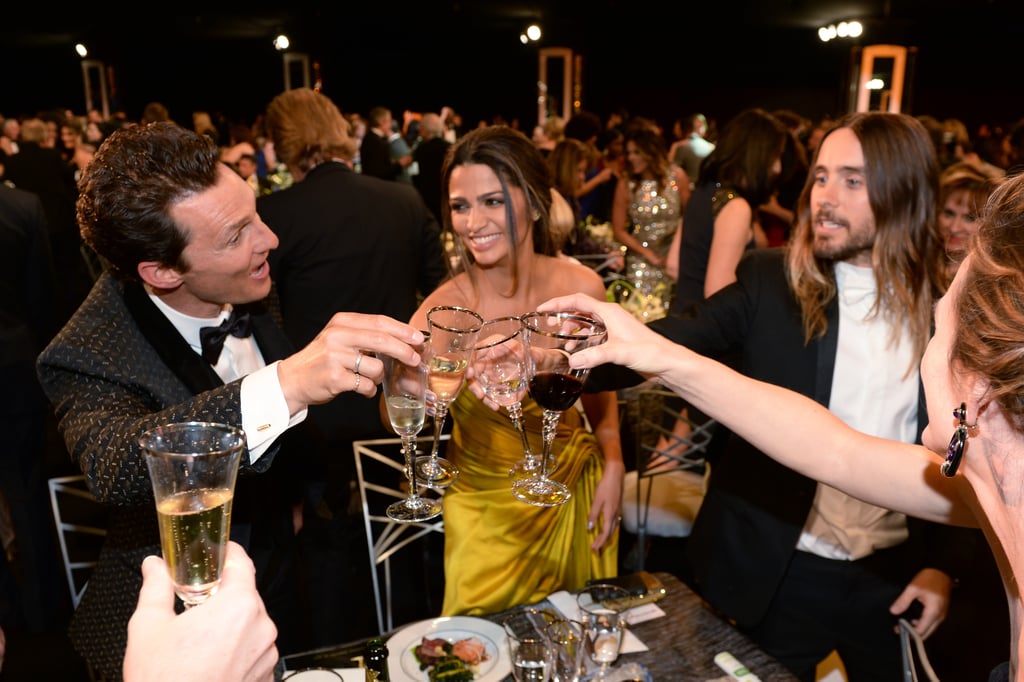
(902, 176)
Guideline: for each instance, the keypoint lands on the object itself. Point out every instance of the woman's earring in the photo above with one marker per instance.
(958, 443)
(536, 215)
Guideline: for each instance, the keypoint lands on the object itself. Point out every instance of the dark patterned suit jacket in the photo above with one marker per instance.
(116, 369)
(750, 521)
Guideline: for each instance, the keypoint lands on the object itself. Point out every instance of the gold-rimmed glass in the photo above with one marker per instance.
(552, 338)
(453, 332)
(500, 365)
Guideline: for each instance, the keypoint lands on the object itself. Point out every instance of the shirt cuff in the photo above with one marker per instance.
(265, 411)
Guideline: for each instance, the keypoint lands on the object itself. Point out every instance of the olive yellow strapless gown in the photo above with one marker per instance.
(500, 552)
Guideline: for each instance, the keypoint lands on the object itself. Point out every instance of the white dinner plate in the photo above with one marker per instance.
(404, 667)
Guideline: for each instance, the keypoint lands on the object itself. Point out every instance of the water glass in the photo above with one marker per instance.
(532, 658)
(531, 653)
(566, 637)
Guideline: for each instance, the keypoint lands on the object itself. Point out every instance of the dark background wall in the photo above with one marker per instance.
(656, 58)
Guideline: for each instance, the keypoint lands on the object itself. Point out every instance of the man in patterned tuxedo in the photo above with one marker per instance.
(185, 249)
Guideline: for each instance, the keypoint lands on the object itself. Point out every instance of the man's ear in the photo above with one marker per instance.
(159, 276)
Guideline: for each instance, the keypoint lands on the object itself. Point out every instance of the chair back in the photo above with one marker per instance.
(380, 471)
(81, 523)
(661, 498)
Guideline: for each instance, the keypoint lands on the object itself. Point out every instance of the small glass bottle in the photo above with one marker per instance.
(377, 659)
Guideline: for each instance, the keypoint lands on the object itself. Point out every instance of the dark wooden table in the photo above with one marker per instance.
(681, 645)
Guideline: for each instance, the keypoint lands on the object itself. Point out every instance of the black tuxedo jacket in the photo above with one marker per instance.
(429, 156)
(755, 508)
(116, 369)
(349, 243)
(28, 298)
(375, 157)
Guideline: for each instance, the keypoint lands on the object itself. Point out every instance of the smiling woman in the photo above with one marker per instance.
(500, 552)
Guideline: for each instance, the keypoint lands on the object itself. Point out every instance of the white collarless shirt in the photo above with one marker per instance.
(873, 392)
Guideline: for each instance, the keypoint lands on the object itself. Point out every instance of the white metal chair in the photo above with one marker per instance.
(81, 523)
(380, 470)
(602, 264)
(663, 501)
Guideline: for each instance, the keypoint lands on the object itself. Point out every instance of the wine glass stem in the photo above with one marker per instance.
(550, 427)
(515, 413)
(409, 447)
(439, 417)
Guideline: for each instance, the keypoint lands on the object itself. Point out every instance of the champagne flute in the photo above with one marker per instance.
(453, 333)
(551, 339)
(405, 391)
(499, 362)
(193, 467)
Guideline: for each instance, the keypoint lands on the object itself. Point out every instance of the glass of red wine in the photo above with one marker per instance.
(552, 338)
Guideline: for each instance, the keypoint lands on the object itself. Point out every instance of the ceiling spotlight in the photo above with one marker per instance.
(80, 49)
(845, 29)
(533, 32)
(281, 42)
(523, 38)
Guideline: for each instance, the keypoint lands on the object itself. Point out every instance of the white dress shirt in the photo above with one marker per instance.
(264, 409)
(872, 391)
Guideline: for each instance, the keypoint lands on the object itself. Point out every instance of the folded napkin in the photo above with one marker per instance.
(566, 604)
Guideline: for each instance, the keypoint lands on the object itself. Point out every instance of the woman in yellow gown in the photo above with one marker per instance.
(500, 552)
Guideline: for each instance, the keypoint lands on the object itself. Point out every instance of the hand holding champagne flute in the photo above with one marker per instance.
(405, 389)
(193, 467)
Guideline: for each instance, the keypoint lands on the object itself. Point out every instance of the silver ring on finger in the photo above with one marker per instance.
(359, 361)
(359, 380)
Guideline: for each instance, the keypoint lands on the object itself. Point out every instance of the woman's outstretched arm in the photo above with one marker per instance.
(785, 425)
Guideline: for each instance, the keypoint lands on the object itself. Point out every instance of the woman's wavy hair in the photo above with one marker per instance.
(651, 146)
(126, 192)
(748, 146)
(989, 339)
(564, 160)
(517, 162)
(902, 175)
(307, 129)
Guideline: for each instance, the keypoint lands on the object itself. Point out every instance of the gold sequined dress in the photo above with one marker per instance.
(654, 214)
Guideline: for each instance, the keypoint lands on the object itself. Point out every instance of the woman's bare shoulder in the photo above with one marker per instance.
(570, 277)
(453, 291)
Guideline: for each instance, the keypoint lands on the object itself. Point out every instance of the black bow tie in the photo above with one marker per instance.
(212, 338)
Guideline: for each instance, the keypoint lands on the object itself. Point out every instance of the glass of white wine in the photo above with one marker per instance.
(453, 333)
(405, 395)
(193, 467)
(500, 365)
